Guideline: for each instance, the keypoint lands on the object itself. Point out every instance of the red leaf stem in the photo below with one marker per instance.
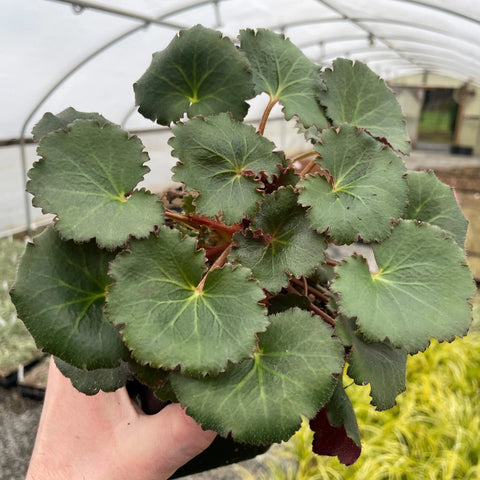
(309, 289)
(308, 167)
(325, 316)
(219, 262)
(266, 113)
(195, 220)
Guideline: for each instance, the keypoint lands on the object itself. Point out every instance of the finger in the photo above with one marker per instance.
(176, 437)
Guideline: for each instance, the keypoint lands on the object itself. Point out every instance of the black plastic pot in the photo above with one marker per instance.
(222, 452)
(458, 150)
(11, 379)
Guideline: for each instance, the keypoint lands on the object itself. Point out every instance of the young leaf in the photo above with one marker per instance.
(86, 177)
(220, 157)
(367, 189)
(167, 321)
(286, 74)
(336, 430)
(90, 382)
(357, 96)
(430, 200)
(286, 244)
(420, 290)
(201, 73)
(261, 400)
(59, 295)
(379, 364)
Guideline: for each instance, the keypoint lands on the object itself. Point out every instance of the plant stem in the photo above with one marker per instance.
(308, 167)
(332, 263)
(266, 113)
(305, 283)
(309, 289)
(325, 316)
(303, 156)
(219, 262)
(294, 291)
(192, 220)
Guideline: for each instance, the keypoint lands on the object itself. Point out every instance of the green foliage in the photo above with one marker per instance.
(431, 434)
(430, 200)
(16, 344)
(291, 371)
(356, 96)
(364, 191)
(232, 305)
(222, 159)
(90, 186)
(199, 73)
(381, 365)
(437, 307)
(64, 311)
(157, 302)
(91, 382)
(282, 71)
(286, 243)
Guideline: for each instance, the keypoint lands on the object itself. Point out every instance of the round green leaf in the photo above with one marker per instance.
(430, 200)
(280, 242)
(377, 363)
(201, 73)
(261, 400)
(59, 295)
(420, 290)
(286, 74)
(219, 157)
(90, 382)
(356, 95)
(168, 322)
(86, 177)
(367, 188)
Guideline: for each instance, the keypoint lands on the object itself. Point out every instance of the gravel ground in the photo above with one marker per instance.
(18, 426)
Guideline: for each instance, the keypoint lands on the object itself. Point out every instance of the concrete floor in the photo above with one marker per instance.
(18, 426)
(432, 159)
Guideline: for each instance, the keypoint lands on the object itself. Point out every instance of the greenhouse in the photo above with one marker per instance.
(267, 212)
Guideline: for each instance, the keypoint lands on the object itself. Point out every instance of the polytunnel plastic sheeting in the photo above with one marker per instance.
(87, 54)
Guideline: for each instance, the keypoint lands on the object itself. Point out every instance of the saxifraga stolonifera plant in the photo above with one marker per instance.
(232, 306)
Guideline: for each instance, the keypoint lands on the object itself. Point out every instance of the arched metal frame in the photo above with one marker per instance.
(413, 59)
(407, 54)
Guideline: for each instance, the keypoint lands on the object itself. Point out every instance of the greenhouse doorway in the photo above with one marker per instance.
(438, 118)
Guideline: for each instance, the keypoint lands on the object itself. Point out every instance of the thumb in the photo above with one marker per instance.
(175, 437)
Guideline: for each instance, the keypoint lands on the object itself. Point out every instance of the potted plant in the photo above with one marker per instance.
(232, 306)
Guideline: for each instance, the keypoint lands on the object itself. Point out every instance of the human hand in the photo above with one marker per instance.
(107, 437)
